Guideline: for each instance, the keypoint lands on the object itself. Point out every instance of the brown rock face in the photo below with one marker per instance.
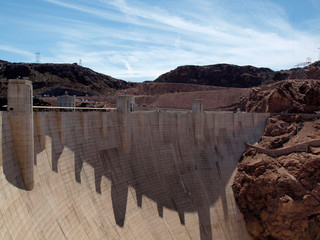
(280, 197)
(225, 75)
(311, 71)
(228, 75)
(278, 101)
(279, 130)
(300, 96)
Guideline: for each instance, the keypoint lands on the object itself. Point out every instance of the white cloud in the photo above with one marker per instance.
(15, 50)
(135, 40)
(177, 43)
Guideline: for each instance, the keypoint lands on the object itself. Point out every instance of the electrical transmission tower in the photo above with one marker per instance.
(304, 64)
(300, 72)
(37, 57)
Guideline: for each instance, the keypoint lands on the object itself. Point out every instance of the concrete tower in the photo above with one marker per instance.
(21, 123)
(125, 105)
(198, 120)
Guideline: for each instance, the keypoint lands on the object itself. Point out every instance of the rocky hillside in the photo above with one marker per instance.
(225, 75)
(264, 89)
(155, 88)
(55, 79)
(298, 96)
(311, 71)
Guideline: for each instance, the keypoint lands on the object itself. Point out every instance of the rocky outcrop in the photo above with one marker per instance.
(299, 96)
(55, 79)
(311, 71)
(225, 75)
(228, 75)
(279, 130)
(280, 196)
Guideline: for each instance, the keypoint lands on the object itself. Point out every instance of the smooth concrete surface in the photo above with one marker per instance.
(143, 175)
(21, 125)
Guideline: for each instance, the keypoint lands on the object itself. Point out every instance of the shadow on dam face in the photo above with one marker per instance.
(163, 156)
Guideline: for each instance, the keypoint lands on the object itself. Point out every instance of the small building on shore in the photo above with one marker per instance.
(66, 100)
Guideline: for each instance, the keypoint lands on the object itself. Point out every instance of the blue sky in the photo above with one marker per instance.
(138, 40)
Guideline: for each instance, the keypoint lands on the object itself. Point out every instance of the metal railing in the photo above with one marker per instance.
(70, 109)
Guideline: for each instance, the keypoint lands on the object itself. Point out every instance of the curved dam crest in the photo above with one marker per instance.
(141, 175)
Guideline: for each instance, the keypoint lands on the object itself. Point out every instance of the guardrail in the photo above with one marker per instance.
(70, 109)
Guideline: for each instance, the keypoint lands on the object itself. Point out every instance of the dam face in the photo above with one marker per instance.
(126, 175)
(100, 175)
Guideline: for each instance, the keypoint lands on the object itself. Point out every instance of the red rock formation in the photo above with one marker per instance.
(311, 71)
(279, 130)
(280, 197)
(302, 96)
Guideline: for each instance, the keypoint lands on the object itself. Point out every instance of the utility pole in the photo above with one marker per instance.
(37, 57)
(319, 53)
(308, 60)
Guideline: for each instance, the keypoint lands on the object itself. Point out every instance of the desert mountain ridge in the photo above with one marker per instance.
(229, 75)
(225, 75)
(55, 79)
(222, 87)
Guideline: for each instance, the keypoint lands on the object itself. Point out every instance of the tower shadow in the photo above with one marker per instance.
(164, 161)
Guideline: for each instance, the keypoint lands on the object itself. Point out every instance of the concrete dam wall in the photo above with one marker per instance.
(112, 175)
(120, 175)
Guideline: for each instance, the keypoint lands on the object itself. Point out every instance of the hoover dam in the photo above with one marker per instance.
(120, 175)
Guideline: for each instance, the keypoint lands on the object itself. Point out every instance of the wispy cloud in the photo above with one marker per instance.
(137, 40)
(15, 50)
